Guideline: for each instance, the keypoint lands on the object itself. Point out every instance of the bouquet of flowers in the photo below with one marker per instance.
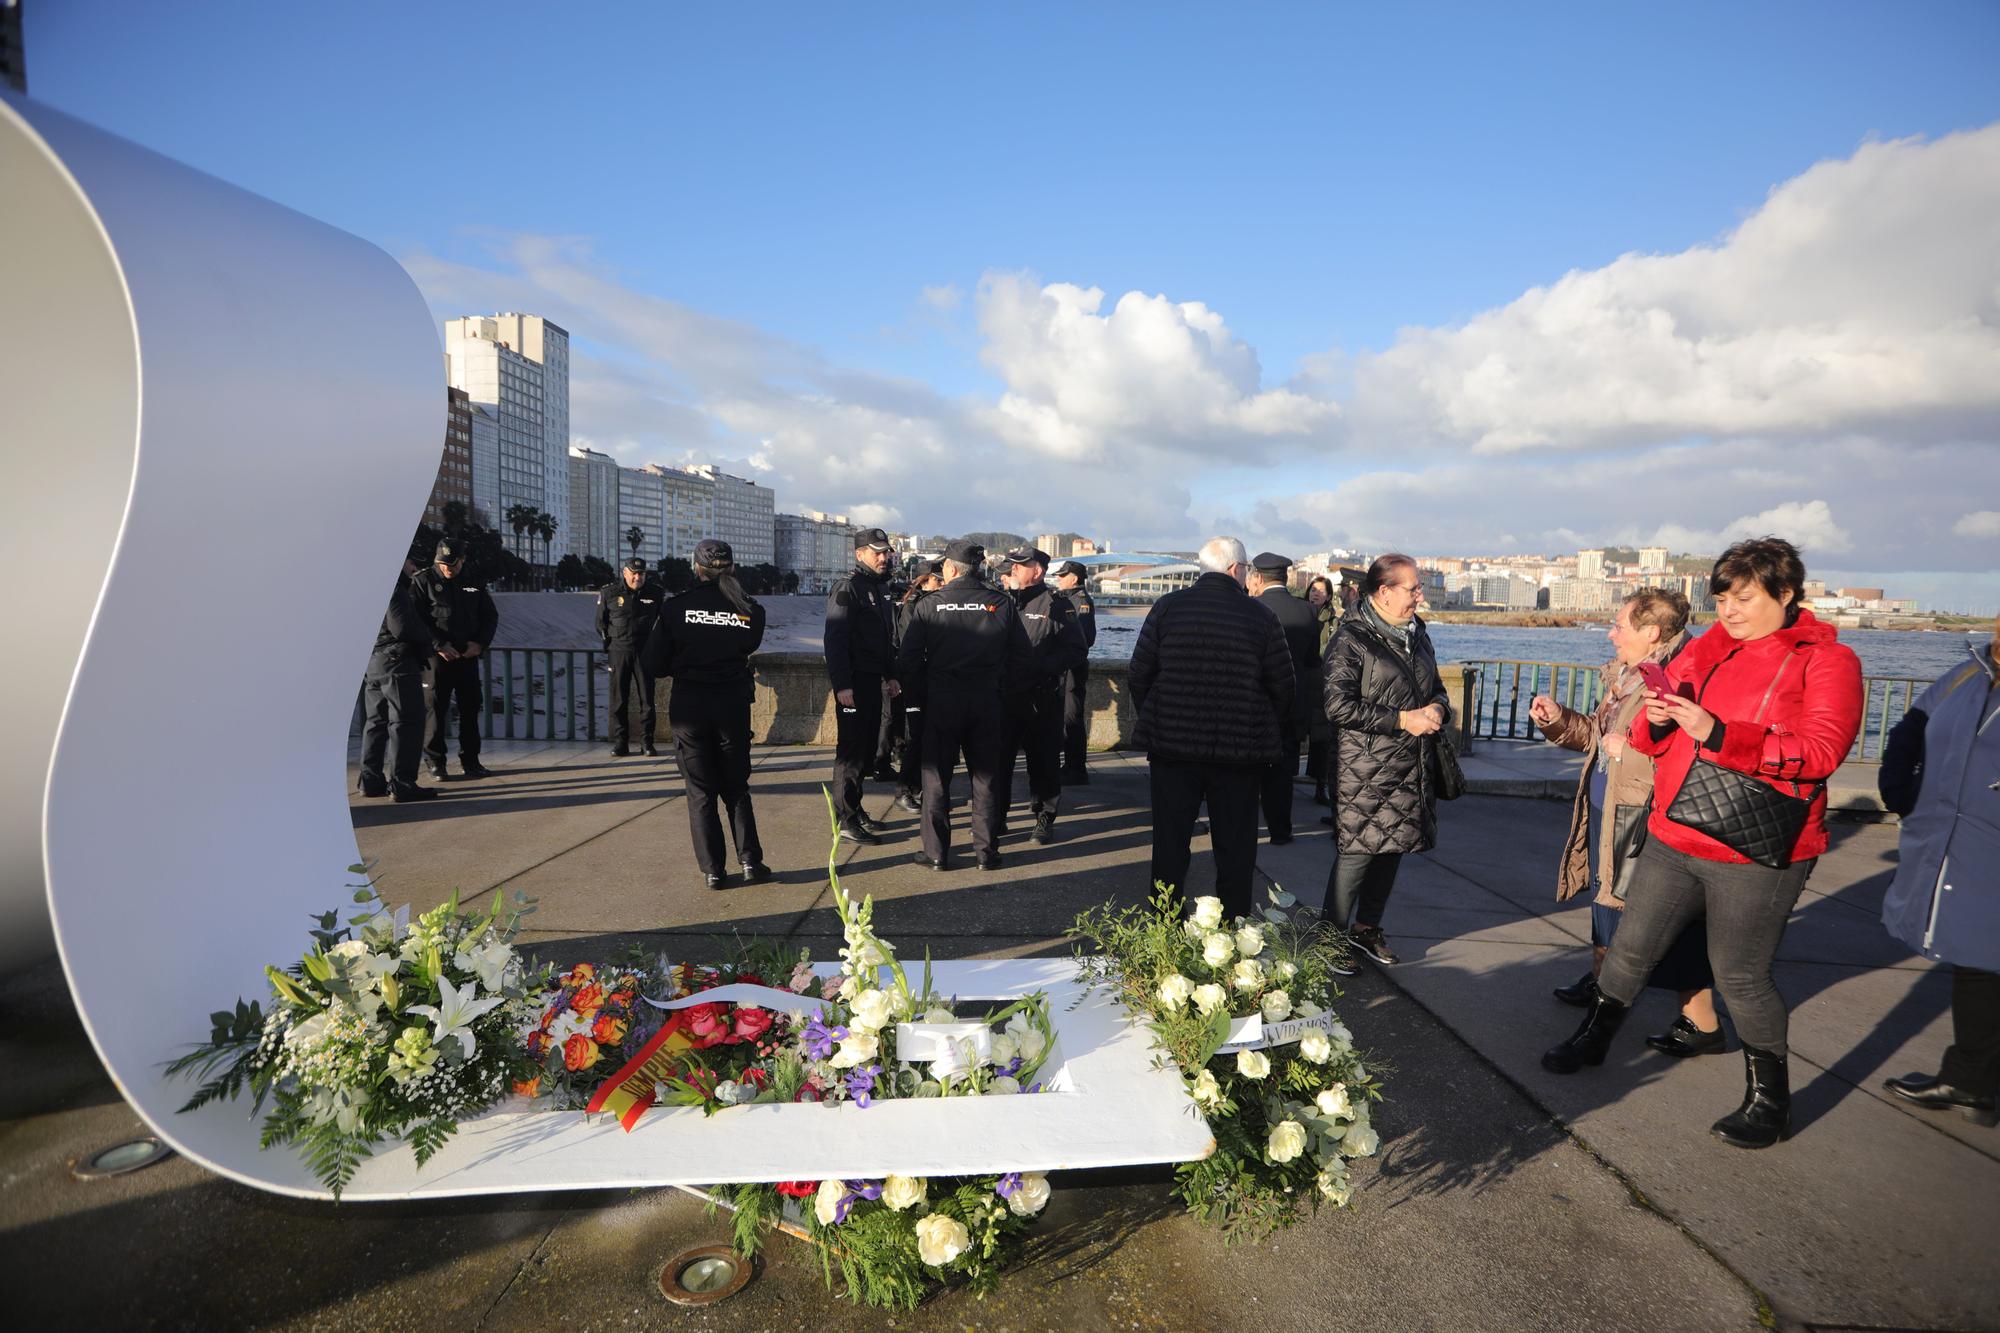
(1243, 1008)
(385, 1029)
(586, 1021)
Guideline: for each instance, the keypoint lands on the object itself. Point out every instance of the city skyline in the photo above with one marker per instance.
(1732, 288)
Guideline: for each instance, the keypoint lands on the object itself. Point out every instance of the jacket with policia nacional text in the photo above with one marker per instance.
(966, 636)
(700, 638)
(1055, 639)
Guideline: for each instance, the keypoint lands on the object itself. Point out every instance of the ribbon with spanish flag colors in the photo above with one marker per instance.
(634, 1089)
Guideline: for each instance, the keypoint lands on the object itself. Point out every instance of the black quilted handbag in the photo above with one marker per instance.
(1447, 778)
(1739, 811)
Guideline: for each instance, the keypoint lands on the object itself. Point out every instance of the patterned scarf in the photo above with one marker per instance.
(1620, 682)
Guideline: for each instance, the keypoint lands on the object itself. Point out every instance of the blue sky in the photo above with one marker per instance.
(851, 248)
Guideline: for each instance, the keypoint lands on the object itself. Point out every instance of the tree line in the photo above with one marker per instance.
(489, 558)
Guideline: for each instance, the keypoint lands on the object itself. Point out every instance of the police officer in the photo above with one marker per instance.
(861, 663)
(703, 640)
(1068, 578)
(1268, 582)
(462, 621)
(1035, 705)
(924, 580)
(963, 648)
(392, 694)
(626, 610)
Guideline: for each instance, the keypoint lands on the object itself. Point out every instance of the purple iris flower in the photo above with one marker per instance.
(867, 1189)
(1036, 1086)
(819, 1038)
(861, 1084)
(1011, 1068)
(1008, 1184)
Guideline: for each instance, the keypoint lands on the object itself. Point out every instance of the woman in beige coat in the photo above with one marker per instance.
(1608, 817)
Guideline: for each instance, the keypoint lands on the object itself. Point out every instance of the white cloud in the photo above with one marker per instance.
(946, 296)
(1808, 525)
(1864, 295)
(1979, 523)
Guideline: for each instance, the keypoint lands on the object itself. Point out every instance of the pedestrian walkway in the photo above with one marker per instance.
(1539, 769)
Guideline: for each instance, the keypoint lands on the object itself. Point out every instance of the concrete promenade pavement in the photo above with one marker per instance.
(1503, 1197)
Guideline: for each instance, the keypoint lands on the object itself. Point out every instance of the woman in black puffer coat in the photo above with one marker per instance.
(1383, 698)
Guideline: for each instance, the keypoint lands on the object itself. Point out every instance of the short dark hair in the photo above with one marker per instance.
(1665, 609)
(1380, 571)
(1772, 561)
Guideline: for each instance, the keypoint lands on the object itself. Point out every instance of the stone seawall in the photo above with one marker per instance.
(794, 703)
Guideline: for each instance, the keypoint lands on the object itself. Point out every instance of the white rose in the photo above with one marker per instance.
(348, 949)
(1194, 928)
(900, 1192)
(1333, 1103)
(827, 1202)
(1217, 948)
(856, 1048)
(1249, 941)
(1288, 1140)
(870, 1010)
(1174, 991)
(1333, 1186)
(1028, 1039)
(1361, 1140)
(1315, 1047)
(1208, 912)
(1002, 1087)
(1249, 975)
(1306, 1009)
(1209, 997)
(939, 1015)
(1030, 1196)
(1004, 1048)
(1341, 1036)
(1286, 971)
(1253, 1064)
(941, 1239)
(1206, 1092)
(1276, 1005)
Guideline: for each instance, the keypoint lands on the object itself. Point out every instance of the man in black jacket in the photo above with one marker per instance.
(1269, 580)
(962, 650)
(1035, 708)
(1069, 581)
(392, 695)
(462, 619)
(626, 610)
(861, 663)
(1213, 682)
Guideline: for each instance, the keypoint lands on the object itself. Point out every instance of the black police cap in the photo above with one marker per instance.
(1070, 567)
(636, 565)
(966, 553)
(712, 551)
(449, 552)
(1273, 564)
(872, 538)
(1027, 555)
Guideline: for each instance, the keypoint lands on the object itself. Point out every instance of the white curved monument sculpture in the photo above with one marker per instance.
(221, 420)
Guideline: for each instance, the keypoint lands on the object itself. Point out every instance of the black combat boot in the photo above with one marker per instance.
(1766, 1114)
(1587, 1045)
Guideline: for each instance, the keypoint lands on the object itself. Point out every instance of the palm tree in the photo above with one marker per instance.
(520, 517)
(545, 527)
(634, 536)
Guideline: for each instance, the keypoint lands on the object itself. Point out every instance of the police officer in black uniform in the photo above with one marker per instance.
(962, 650)
(1268, 582)
(392, 695)
(626, 610)
(861, 663)
(1069, 581)
(925, 579)
(462, 620)
(703, 640)
(1035, 708)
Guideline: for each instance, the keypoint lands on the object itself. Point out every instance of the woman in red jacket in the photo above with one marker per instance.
(1766, 691)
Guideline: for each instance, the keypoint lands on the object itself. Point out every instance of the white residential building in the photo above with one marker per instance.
(744, 516)
(486, 509)
(1580, 595)
(818, 547)
(673, 507)
(1652, 559)
(593, 507)
(516, 367)
(1590, 564)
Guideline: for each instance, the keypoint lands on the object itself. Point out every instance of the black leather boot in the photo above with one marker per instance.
(1579, 992)
(1766, 1114)
(1587, 1045)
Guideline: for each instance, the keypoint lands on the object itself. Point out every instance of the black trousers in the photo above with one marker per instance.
(1034, 733)
(972, 722)
(1357, 889)
(451, 683)
(1972, 1061)
(711, 726)
(856, 733)
(1275, 793)
(1076, 720)
(909, 748)
(392, 709)
(1178, 790)
(628, 671)
(1316, 751)
(885, 739)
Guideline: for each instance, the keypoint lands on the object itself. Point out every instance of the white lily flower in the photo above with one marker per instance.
(492, 963)
(456, 1011)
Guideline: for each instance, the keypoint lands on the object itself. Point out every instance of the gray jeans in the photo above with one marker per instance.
(1747, 906)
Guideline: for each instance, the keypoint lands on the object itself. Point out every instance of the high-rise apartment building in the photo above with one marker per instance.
(517, 368)
(1590, 565)
(485, 466)
(818, 547)
(593, 507)
(1653, 560)
(454, 474)
(744, 516)
(1062, 545)
(672, 507)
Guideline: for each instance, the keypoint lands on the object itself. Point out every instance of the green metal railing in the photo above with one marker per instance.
(1502, 688)
(543, 694)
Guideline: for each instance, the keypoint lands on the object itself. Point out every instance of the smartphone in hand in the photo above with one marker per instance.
(1655, 677)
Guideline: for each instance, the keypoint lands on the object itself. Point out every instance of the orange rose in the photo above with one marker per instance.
(579, 974)
(528, 1087)
(608, 1031)
(579, 1052)
(587, 1000)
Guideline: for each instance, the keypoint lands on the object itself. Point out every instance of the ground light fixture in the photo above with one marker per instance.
(705, 1275)
(121, 1158)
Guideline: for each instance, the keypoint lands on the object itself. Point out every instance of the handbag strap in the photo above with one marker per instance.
(1769, 690)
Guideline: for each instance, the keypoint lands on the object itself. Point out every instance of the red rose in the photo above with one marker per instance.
(798, 1189)
(708, 1023)
(749, 979)
(751, 1024)
(810, 1092)
(755, 1076)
